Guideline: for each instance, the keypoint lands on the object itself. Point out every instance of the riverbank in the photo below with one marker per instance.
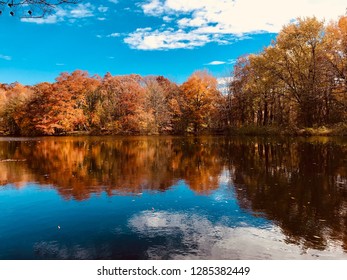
(336, 130)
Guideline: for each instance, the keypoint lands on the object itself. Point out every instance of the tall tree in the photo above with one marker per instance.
(296, 59)
(123, 99)
(15, 98)
(240, 96)
(162, 101)
(201, 95)
(336, 58)
(68, 100)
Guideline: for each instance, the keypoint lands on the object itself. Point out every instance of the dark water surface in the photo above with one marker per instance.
(173, 198)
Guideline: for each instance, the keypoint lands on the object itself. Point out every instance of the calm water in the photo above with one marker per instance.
(173, 198)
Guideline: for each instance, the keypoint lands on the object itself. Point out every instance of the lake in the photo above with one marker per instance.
(173, 198)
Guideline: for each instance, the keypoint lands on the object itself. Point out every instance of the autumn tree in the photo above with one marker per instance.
(241, 109)
(336, 58)
(122, 104)
(201, 94)
(156, 104)
(2, 107)
(15, 98)
(59, 107)
(163, 102)
(37, 118)
(296, 60)
(299, 80)
(67, 102)
(267, 97)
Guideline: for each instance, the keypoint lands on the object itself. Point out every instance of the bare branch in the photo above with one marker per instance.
(33, 8)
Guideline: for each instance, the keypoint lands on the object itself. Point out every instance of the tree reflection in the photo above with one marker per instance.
(300, 184)
(78, 167)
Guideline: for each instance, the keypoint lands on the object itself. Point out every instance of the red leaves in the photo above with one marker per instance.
(112, 105)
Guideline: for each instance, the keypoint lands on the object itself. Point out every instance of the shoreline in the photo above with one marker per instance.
(334, 131)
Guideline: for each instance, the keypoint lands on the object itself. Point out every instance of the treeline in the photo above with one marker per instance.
(299, 81)
(110, 105)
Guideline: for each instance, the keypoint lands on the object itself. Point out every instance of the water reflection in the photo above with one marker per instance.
(215, 240)
(79, 167)
(293, 193)
(300, 185)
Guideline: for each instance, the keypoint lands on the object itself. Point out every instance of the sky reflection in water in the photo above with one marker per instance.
(172, 198)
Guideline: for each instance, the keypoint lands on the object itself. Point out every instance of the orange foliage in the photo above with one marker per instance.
(200, 96)
(128, 104)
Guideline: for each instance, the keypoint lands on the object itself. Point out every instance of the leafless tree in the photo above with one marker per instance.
(32, 8)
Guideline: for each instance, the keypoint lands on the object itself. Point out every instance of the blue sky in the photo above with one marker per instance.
(148, 37)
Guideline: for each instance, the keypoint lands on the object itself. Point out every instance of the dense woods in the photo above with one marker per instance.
(299, 81)
(110, 105)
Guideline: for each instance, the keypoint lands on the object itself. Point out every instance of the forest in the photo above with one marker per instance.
(297, 83)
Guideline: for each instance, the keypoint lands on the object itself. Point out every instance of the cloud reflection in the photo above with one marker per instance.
(55, 250)
(207, 240)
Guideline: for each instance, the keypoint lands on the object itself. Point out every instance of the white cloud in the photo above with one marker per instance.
(223, 84)
(216, 240)
(216, 62)
(153, 7)
(148, 39)
(5, 57)
(51, 19)
(244, 16)
(113, 1)
(232, 61)
(71, 14)
(113, 35)
(223, 80)
(102, 9)
(195, 22)
(168, 38)
(224, 21)
(82, 11)
(167, 19)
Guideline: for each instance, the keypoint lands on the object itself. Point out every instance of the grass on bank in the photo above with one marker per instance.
(335, 130)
